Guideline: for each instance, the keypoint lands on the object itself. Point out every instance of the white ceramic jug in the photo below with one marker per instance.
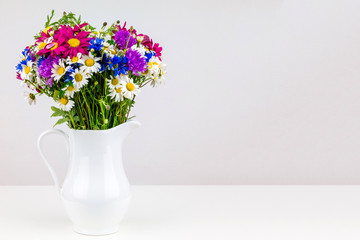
(96, 191)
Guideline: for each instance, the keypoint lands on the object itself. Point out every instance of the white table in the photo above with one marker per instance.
(196, 212)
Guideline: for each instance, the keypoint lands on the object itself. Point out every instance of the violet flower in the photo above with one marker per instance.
(136, 62)
(121, 38)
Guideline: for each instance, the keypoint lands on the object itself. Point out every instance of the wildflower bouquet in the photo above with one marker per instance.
(93, 76)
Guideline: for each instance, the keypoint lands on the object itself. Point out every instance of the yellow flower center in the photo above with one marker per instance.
(114, 81)
(46, 30)
(42, 45)
(61, 70)
(112, 51)
(78, 77)
(118, 90)
(89, 62)
(64, 101)
(74, 59)
(27, 70)
(54, 47)
(73, 42)
(130, 87)
(70, 88)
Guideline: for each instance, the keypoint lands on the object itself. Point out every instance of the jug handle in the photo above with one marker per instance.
(39, 145)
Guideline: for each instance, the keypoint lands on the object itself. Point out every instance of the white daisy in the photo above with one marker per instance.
(59, 70)
(156, 71)
(113, 82)
(70, 90)
(80, 78)
(65, 104)
(91, 63)
(30, 98)
(116, 94)
(107, 37)
(128, 88)
(141, 49)
(75, 59)
(26, 72)
(110, 50)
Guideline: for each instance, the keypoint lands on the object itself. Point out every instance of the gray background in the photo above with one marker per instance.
(258, 92)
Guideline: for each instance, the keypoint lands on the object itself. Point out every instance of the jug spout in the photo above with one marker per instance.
(124, 129)
(133, 124)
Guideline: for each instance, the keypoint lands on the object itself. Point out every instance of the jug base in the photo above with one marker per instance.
(96, 232)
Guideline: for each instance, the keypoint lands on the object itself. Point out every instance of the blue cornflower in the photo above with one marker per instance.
(68, 73)
(26, 56)
(149, 55)
(96, 44)
(119, 65)
(104, 62)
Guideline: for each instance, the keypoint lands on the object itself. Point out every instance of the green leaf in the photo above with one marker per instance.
(55, 109)
(61, 121)
(58, 112)
(56, 94)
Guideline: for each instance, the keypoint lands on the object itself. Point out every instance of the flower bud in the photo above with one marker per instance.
(104, 24)
(118, 22)
(106, 121)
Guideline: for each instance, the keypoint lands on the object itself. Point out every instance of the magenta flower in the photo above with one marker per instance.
(148, 43)
(74, 40)
(44, 35)
(18, 76)
(55, 48)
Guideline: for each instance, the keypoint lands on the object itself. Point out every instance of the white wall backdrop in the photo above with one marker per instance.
(258, 92)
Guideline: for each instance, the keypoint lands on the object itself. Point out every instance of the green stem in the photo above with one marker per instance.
(88, 109)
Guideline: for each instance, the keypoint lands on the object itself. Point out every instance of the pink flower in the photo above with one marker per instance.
(18, 76)
(148, 43)
(74, 40)
(78, 28)
(157, 49)
(44, 35)
(55, 48)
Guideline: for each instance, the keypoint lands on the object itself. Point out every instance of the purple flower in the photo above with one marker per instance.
(136, 62)
(45, 66)
(121, 38)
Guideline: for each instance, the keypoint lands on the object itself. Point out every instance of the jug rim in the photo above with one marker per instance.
(133, 122)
